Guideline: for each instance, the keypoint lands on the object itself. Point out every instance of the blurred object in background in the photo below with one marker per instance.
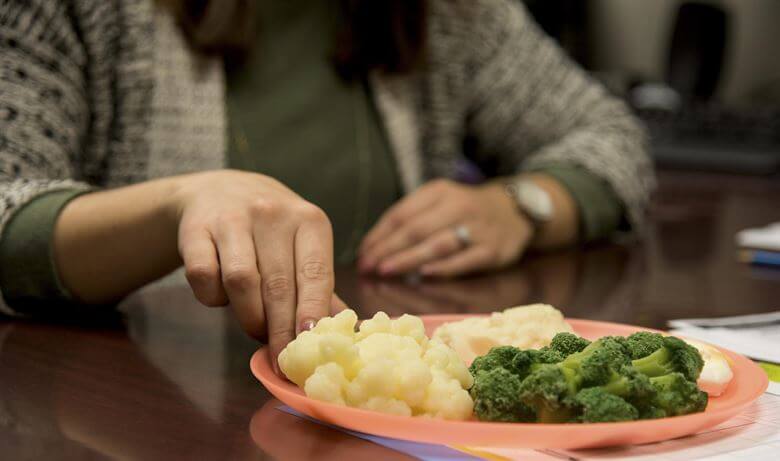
(704, 75)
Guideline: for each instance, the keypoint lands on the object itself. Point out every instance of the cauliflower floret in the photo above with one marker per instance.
(446, 399)
(327, 384)
(321, 345)
(380, 323)
(439, 356)
(342, 323)
(387, 405)
(388, 366)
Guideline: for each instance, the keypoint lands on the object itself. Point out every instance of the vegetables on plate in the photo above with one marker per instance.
(388, 365)
(642, 376)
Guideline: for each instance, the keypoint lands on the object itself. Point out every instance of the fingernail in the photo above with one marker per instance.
(425, 270)
(306, 325)
(387, 269)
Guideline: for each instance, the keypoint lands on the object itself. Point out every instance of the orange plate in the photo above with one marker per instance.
(748, 384)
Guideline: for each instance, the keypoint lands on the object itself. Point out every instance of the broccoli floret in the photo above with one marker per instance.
(647, 410)
(514, 360)
(567, 344)
(495, 393)
(497, 357)
(548, 391)
(643, 343)
(599, 406)
(675, 356)
(547, 355)
(675, 395)
(598, 363)
(629, 384)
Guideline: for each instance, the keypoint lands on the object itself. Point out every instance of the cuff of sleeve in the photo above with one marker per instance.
(600, 209)
(28, 272)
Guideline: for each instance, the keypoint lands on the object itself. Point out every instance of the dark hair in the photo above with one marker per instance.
(384, 35)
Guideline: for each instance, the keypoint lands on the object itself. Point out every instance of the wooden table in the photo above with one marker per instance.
(169, 379)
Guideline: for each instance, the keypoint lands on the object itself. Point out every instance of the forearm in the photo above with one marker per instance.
(106, 244)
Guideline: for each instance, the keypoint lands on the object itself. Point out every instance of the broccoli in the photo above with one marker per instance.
(599, 406)
(573, 380)
(495, 397)
(548, 391)
(518, 362)
(547, 355)
(675, 395)
(675, 356)
(598, 363)
(567, 344)
(628, 384)
(497, 357)
(643, 343)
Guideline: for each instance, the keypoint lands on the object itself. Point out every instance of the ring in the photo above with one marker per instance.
(463, 234)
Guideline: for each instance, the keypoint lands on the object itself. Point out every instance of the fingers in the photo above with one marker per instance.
(469, 260)
(275, 254)
(201, 266)
(395, 216)
(240, 276)
(314, 269)
(412, 231)
(440, 245)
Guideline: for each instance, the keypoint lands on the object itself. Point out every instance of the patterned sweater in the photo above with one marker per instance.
(104, 93)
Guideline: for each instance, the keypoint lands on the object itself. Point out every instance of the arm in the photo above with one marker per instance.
(533, 109)
(109, 243)
(244, 238)
(43, 110)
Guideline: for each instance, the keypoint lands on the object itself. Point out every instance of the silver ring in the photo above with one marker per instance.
(463, 234)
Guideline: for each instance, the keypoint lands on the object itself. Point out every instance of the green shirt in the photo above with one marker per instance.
(291, 118)
(294, 119)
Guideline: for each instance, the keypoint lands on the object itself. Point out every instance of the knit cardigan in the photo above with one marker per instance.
(104, 93)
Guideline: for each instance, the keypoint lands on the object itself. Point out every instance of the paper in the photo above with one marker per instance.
(756, 336)
(765, 238)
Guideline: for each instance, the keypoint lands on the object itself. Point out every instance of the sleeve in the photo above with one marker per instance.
(28, 271)
(532, 107)
(44, 110)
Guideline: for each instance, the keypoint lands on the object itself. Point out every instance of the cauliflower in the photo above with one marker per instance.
(525, 327)
(389, 366)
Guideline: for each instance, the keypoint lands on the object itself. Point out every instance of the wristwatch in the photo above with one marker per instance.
(532, 200)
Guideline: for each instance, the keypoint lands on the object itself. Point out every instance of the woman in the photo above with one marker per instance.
(118, 117)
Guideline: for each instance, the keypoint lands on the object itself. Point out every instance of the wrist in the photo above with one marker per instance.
(561, 228)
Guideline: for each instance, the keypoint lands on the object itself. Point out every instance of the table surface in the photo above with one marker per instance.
(169, 379)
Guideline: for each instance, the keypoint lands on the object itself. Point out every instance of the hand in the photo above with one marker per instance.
(248, 240)
(418, 233)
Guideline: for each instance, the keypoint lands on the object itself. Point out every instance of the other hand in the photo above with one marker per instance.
(425, 232)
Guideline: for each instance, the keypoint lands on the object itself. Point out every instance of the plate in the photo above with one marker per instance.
(748, 384)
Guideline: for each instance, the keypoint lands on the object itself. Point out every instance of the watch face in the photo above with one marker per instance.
(535, 201)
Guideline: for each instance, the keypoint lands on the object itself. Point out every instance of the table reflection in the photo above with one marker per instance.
(595, 284)
(284, 436)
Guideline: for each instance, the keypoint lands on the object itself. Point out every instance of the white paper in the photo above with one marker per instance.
(766, 238)
(756, 336)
